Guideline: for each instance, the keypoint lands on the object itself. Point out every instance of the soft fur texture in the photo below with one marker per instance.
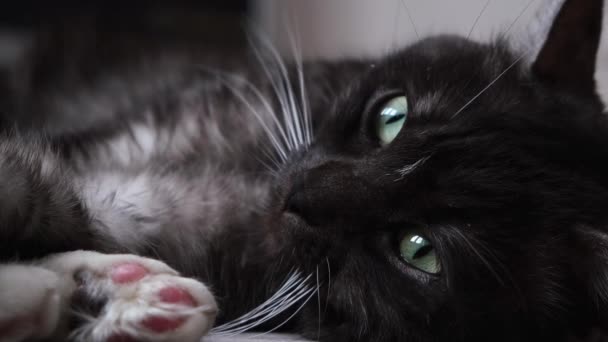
(502, 164)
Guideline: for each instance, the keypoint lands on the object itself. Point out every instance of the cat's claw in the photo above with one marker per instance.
(128, 298)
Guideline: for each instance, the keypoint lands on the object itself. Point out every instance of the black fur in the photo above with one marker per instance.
(507, 181)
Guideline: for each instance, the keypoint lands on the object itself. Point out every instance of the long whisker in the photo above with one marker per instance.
(265, 102)
(289, 293)
(271, 164)
(296, 114)
(266, 105)
(265, 164)
(477, 19)
(409, 15)
(521, 13)
(314, 291)
(286, 88)
(481, 257)
(395, 38)
(267, 314)
(305, 113)
(256, 114)
(280, 94)
(269, 159)
(489, 85)
(292, 283)
(318, 306)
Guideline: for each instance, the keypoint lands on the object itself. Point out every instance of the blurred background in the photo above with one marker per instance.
(323, 28)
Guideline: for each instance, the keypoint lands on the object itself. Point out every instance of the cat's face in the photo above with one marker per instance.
(458, 192)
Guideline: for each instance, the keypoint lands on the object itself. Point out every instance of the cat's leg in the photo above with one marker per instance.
(41, 211)
(30, 302)
(90, 296)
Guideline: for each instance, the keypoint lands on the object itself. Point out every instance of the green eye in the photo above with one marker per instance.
(417, 251)
(391, 119)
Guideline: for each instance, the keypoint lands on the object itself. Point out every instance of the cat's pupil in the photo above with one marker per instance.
(422, 252)
(395, 118)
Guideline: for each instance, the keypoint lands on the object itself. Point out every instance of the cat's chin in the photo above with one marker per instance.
(283, 235)
(307, 244)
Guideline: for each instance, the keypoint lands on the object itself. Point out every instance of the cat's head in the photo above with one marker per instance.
(459, 190)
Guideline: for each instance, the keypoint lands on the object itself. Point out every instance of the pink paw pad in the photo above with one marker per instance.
(121, 338)
(176, 295)
(161, 324)
(169, 295)
(128, 273)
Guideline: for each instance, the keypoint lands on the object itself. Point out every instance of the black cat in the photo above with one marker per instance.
(452, 191)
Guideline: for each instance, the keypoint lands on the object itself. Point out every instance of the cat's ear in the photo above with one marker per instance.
(567, 56)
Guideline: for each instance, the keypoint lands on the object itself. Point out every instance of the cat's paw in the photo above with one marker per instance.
(30, 302)
(126, 298)
(112, 298)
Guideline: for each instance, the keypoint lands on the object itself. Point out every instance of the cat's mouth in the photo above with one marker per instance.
(295, 224)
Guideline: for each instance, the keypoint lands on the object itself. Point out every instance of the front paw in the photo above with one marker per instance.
(126, 298)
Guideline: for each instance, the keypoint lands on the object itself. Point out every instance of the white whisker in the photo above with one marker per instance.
(266, 316)
(289, 294)
(225, 78)
(274, 163)
(270, 109)
(481, 257)
(409, 15)
(318, 306)
(305, 112)
(295, 114)
(258, 116)
(290, 283)
(328, 284)
(395, 38)
(490, 85)
(521, 13)
(280, 309)
(312, 293)
(281, 97)
(291, 114)
(477, 19)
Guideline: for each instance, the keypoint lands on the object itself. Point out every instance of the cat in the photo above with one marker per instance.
(451, 191)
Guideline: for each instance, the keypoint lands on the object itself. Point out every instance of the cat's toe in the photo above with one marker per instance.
(30, 302)
(126, 298)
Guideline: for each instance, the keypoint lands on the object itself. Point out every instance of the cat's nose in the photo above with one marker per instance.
(305, 198)
(326, 194)
(300, 200)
